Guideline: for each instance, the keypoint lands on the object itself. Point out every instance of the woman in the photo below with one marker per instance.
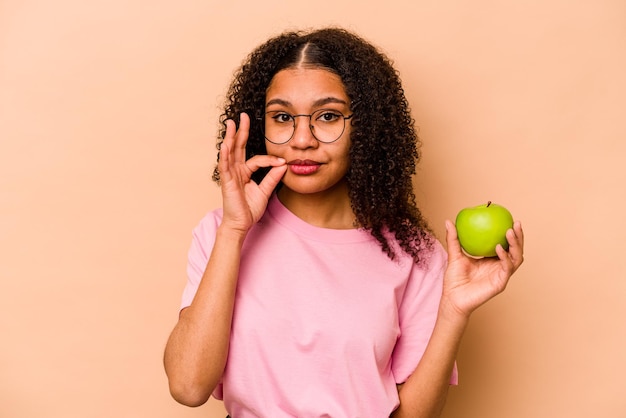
(318, 289)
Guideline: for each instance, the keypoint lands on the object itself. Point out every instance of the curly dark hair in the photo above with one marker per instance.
(384, 149)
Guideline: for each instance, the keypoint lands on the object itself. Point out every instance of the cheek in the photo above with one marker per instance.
(346, 155)
(272, 149)
(344, 166)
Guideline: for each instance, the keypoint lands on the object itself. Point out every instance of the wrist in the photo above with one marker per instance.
(449, 313)
(233, 235)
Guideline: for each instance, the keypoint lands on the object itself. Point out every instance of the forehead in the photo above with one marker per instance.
(304, 85)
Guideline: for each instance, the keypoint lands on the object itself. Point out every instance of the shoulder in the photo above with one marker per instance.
(203, 234)
(432, 256)
(426, 275)
(435, 257)
(210, 221)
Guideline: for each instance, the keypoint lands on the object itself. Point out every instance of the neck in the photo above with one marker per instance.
(327, 209)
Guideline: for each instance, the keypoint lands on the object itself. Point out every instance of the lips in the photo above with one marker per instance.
(303, 162)
(303, 167)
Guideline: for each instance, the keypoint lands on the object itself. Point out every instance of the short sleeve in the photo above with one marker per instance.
(417, 315)
(203, 239)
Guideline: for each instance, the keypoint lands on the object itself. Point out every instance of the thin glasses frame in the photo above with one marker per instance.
(319, 112)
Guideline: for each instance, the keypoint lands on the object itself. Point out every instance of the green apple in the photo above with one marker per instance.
(481, 228)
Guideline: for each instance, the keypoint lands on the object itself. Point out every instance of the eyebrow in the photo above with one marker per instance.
(317, 103)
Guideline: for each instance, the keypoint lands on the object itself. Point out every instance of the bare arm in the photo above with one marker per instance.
(468, 283)
(197, 349)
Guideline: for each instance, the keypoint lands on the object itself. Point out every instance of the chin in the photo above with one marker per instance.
(311, 186)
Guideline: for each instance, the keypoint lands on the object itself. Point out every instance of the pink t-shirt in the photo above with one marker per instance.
(325, 324)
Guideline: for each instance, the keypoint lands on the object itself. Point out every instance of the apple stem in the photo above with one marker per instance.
(488, 203)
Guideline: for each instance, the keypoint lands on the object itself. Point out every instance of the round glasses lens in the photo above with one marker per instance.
(327, 125)
(278, 126)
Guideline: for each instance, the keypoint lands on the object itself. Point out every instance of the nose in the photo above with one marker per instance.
(302, 134)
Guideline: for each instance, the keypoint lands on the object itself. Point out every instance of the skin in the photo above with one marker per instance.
(196, 352)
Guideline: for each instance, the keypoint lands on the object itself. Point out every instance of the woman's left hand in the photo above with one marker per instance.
(470, 282)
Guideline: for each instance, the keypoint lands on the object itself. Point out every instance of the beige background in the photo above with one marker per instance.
(107, 122)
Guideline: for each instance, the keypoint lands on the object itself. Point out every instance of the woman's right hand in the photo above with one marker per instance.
(197, 350)
(244, 201)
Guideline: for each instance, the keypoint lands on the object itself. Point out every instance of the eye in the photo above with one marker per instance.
(328, 116)
(280, 117)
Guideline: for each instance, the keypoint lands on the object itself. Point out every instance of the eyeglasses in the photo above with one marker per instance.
(327, 125)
